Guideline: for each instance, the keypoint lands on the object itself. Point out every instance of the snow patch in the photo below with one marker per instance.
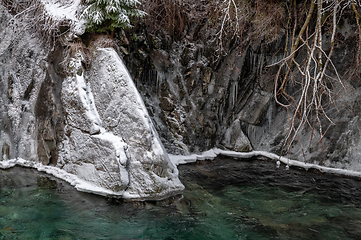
(66, 10)
(87, 99)
(62, 11)
(120, 148)
(181, 159)
(119, 145)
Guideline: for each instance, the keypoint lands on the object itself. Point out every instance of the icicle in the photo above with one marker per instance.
(220, 112)
(260, 63)
(236, 92)
(233, 95)
(269, 115)
(158, 83)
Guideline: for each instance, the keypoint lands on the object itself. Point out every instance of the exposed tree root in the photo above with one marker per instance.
(316, 75)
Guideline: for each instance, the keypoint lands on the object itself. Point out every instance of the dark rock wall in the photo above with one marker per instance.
(49, 112)
(195, 95)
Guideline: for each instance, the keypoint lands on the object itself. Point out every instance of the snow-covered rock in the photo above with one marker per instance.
(87, 126)
(110, 140)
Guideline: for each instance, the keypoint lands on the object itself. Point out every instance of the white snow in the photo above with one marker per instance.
(61, 11)
(87, 99)
(66, 10)
(118, 144)
(132, 86)
(120, 148)
(211, 154)
(181, 159)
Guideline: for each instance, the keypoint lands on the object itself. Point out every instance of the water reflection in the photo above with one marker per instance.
(224, 199)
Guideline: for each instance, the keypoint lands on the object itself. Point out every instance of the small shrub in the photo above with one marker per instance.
(105, 15)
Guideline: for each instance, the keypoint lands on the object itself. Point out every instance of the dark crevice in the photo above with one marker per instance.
(10, 87)
(49, 112)
(28, 90)
(5, 152)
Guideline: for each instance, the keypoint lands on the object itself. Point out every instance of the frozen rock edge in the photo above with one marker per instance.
(213, 153)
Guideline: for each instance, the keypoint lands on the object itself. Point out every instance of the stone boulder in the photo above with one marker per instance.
(234, 138)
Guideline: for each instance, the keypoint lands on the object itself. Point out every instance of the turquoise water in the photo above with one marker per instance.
(224, 199)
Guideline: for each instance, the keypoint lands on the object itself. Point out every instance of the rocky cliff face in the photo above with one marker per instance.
(73, 111)
(199, 101)
(84, 123)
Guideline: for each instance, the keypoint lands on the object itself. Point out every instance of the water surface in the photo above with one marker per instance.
(224, 199)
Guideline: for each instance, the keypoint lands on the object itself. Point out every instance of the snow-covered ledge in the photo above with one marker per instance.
(213, 153)
(86, 186)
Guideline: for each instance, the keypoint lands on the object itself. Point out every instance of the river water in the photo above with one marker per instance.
(224, 199)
